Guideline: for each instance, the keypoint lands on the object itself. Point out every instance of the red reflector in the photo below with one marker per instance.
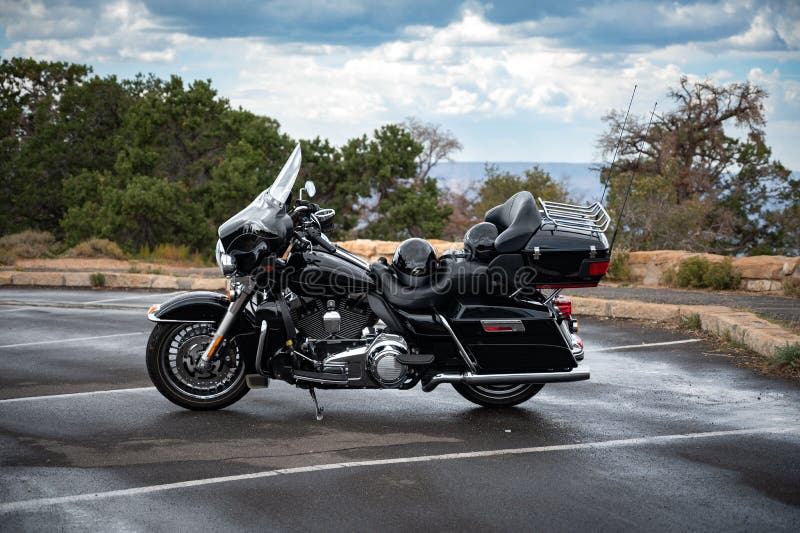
(498, 328)
(598, 269)
(564, 305)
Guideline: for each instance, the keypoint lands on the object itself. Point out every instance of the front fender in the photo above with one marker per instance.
(200, 307)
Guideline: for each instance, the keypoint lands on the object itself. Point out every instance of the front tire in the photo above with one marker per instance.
(172, 353)
(498, 395)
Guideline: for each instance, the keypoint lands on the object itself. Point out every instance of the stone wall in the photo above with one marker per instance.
(761, 273)
(371, 250)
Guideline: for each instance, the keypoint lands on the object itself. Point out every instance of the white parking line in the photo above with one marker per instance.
(35, 504)
(73, 395)
(59, 341)
(151, 296)
(645, 345)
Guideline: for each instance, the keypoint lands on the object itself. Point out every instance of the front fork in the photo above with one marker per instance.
(227, 321)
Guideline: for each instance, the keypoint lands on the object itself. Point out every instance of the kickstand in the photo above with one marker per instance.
(316, 403)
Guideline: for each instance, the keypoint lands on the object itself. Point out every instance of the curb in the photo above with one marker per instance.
(757, 334)
(112, 281)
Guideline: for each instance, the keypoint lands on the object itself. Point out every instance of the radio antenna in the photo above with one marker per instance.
(619, 140)
(630, 183)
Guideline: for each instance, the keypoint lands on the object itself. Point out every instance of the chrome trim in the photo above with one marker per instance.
(472, 365)
(582, 219)
(549, 300)
(262, 337)
(516, 325)
(469, 378)
(153, 318)
(227, 321)
(351, 257)
(321, 381)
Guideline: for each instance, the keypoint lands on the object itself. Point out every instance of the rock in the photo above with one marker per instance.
(128, 281)
(77, 279)
(761, 266)
(39, 279)
(5, 278)
(208, 284)
(164, 282)
(762, 285)
(184, 284)
(790, 266)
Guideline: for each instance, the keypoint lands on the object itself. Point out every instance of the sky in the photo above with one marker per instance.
(513, 80)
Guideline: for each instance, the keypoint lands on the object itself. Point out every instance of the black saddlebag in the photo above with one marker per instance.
(506, 335)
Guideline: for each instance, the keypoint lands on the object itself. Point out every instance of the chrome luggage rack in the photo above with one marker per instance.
(578, 218)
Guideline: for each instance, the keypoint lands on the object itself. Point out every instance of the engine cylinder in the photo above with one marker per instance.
(383, 360)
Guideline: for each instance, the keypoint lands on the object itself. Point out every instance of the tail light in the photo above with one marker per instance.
(564, 305)
(598, 269)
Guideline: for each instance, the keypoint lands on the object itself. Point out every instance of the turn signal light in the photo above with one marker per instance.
(598, 269)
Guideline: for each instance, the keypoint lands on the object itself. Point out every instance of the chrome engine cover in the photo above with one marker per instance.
(382, 360)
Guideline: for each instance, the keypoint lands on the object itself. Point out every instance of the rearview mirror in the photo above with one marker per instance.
(310, 188)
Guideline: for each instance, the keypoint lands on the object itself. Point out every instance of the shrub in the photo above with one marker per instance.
(722, 276)
(27, 244)
(6, 257)
(619, 269)
(700, 273)
(791, 287)
(691, 272)
(691, 322)
(787, 357)
(96, 248)
(98, 279)
(173, 253)
(668, 277)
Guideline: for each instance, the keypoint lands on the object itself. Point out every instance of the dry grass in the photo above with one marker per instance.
(96, 248)
(28, 244)
(174, 253)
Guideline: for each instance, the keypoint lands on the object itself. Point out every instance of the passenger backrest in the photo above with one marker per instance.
(517, 220)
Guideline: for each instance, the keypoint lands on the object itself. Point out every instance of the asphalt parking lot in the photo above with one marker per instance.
(665, 436)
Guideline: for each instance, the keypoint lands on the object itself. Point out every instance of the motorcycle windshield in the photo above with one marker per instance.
(262, 212)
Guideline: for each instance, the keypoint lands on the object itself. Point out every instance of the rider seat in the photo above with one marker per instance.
(425, 295)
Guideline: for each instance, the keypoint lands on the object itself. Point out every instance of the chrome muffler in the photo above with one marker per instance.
(578, 374)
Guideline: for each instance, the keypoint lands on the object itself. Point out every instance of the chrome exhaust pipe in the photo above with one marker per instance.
(578, 374)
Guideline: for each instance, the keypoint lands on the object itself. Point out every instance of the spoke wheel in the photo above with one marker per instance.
(498, 395)
(172, 355)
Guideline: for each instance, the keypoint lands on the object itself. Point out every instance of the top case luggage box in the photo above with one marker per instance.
(570, 248)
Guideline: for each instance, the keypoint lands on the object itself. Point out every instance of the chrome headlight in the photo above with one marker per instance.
(226, 263)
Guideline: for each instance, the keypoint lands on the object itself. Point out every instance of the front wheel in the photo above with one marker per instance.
(172, 354)
(498, 395)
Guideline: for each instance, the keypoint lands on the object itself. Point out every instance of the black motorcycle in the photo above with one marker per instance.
(486, 319)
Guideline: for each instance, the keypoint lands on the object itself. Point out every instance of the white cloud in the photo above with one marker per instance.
(471, 67)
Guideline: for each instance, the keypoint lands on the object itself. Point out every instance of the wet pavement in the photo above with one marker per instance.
(663, 437)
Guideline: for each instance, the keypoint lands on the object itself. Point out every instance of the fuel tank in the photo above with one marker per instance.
(326, 275)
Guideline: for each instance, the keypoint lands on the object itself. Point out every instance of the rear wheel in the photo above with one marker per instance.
(172, 354)
(498, 395)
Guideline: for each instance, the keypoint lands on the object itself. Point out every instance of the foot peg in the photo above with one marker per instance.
(316, 403)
